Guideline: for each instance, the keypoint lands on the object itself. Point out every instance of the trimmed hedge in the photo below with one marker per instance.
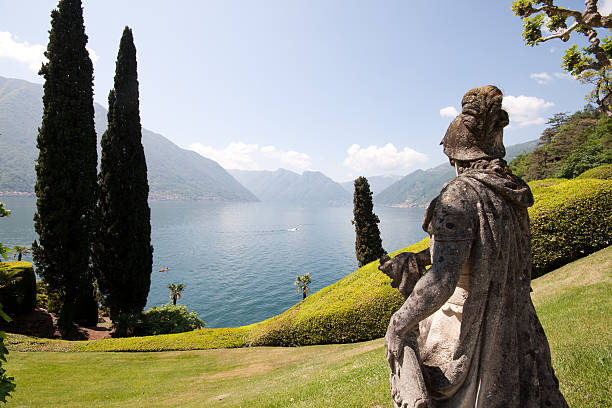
(356, 308)
(603, 172)
(569, 220)
(169, 318)
(20, 296)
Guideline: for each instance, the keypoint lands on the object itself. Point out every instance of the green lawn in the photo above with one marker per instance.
(574, 304)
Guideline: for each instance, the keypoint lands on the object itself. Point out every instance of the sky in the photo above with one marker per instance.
(347, 88)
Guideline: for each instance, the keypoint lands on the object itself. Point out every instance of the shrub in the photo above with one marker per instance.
(47, 300)
(19, 296)
(355, 308)
(169, 319)
(129, 324)
(603, 172)
(569, 220)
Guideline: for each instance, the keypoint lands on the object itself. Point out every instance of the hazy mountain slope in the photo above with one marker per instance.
(418, 188)
(172, 172)
(310, 188)
(377, 183)
(20, 118)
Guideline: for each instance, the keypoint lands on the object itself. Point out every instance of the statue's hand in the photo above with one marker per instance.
(393, 267)
(394, 347)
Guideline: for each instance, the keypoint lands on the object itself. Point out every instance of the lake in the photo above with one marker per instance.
(238, 261)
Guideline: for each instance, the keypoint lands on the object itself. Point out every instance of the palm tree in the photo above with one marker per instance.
(175, 291)
(20, 250)
(302, 282)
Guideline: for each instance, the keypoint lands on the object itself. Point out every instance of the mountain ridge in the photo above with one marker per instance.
(418, 188)
(173, 172)
(285, 186)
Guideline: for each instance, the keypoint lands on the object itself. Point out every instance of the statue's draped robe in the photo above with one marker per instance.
(497, 354)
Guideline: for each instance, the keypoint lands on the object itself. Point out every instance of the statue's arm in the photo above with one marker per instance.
(434, 288)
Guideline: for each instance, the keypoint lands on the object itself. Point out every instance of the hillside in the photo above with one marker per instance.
(377, 183)
(418, 188)
(573, 304)
(570, 146)
(172, 172)
(284, 186)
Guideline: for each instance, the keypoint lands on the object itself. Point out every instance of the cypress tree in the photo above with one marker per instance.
(66, 169)
(123, 255)
(368, 245)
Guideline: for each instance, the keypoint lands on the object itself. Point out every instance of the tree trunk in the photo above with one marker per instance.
(303, 293)
(19, 256)
(174, 300)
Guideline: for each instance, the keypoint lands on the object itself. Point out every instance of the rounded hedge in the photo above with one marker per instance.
(169, 319)
(18, 297)
(603, 172)
(356, 308)
(569, 220)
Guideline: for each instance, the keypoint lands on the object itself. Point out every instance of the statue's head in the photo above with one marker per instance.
(477, 132)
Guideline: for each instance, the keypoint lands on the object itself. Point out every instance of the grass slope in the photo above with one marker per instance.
(573, 303)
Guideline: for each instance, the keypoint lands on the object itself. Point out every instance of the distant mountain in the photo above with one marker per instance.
(173, 173)
(310, 188)
(418, 188)
(377, 183)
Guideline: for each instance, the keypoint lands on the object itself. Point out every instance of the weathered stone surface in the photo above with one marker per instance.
(467, 334)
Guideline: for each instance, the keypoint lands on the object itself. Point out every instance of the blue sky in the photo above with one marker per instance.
(348, 88)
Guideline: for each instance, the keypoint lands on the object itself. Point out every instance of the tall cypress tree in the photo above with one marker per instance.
(123, 255)
(368, 245)
(66, 169)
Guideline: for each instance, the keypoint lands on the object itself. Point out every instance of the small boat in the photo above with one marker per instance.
(294, 228)
(164, 270)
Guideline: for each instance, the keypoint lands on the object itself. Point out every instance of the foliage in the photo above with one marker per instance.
(520, 165)
(368, 245)
(4, 213)
(66, 169)
(19, 293)
(42, 298)
(569, 220)
(568, 147)
(7, 278)
(603, 172)
(601, 80)
(175, 291)
(586, 64)
(19, 251)
(168, 319)
(303, 283)
(123, 255)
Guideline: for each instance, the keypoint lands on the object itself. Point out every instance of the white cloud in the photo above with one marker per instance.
(243, 156)
(30, 54)
(448, 112)
(541, 78)
(24, 52)
(544, 78)
(92, 54)
(605, 7)
(526, 110)
(562, 75)
(387, 159)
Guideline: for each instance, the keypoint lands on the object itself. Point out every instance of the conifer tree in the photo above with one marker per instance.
(66, 169)
(123, 254)
(368, 245)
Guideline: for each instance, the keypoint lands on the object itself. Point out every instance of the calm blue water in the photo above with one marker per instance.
(238, 261)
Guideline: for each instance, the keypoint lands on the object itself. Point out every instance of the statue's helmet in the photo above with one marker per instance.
(477, 132)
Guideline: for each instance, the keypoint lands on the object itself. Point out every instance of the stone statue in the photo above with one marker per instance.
(467, 334)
